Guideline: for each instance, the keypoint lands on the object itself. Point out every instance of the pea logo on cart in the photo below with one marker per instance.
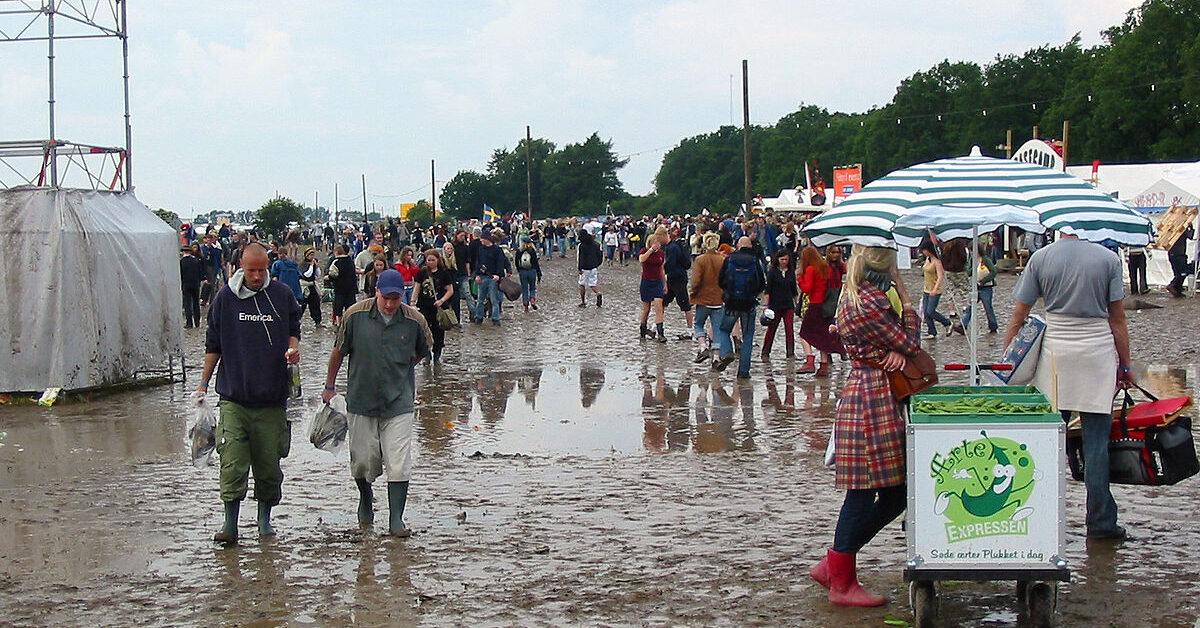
(982, 488)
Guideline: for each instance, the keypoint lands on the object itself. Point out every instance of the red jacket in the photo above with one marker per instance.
(814, 284)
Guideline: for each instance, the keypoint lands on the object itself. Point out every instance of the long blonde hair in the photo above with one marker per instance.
(862, 259)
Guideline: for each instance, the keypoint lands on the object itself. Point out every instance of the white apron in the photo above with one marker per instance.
(1077, 369)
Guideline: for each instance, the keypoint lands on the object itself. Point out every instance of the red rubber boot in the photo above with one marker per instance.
(820, 572)
(844, 589)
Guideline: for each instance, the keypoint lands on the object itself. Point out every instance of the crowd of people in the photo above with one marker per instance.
(725, 276)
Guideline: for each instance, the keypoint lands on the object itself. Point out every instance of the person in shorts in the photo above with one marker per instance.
(678, 262)
(589, 258)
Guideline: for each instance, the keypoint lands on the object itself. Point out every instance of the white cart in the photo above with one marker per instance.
(985, 495)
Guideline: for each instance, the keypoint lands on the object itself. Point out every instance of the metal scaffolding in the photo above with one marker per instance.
(57, 162)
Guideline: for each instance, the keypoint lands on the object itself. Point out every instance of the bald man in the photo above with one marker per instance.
(254, 333)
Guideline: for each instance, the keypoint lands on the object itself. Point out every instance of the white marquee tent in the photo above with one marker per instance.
(91, 290)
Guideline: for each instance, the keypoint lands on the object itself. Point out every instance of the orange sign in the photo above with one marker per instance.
(846, 181)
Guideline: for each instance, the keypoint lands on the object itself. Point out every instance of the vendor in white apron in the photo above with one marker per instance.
(1085, 352)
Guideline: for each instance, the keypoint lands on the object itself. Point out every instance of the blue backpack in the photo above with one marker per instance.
(742, 282)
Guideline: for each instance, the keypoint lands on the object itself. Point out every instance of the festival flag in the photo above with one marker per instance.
(489, 213)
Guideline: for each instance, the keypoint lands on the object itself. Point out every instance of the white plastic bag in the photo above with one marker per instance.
(203, 434)
(328, 429)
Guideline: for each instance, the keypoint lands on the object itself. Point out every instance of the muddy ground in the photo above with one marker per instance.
(647, 491)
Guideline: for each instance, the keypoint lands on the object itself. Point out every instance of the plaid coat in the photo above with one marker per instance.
(869, 427)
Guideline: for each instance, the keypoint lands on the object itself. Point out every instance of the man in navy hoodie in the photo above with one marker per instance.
(254, 333)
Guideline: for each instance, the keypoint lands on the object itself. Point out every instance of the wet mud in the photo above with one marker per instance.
(648, 490)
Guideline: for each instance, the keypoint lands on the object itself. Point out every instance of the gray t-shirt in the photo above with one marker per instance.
(1074, 278)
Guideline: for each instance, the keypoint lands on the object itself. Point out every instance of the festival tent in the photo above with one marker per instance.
(91, 293)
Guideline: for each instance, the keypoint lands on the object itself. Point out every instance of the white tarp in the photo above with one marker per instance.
(91, 288)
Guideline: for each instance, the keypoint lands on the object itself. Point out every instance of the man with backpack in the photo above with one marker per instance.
(676, 266)
(741, 280)
(589, 260)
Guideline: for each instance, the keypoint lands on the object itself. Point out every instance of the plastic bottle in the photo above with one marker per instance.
(294, 380)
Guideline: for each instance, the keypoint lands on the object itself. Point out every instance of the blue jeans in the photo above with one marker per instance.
(463, 291)
(528, 286)
(562, 246)
(715, 315)
(929, 307)
(985, 297)
(748, 317)
(489, 290)
(865, 512)
(1101, 507)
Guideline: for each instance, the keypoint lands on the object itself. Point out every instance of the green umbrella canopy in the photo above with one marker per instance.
(976, 192)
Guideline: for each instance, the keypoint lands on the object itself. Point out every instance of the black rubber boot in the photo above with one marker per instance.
(645, 331)
(662, 337)
(397, 496)
(599, 299)
(264, 520)
(366, 502)
(228, 533)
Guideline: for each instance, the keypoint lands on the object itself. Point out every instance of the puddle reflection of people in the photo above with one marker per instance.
(591, 382)
(870, 441)
(655, 409)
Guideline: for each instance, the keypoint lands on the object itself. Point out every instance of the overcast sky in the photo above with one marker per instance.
(235, 101)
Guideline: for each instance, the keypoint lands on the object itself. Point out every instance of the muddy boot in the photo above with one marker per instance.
(645, 331)
(533, 304)
(264, 520)
(844, 589)
(228, 533)
(397, 496)
(809, 366)
(823, 370)
(820, 572)
(662, 337)
(599, 300)
(366, 502)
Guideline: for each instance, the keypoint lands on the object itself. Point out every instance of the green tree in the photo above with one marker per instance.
(581, 179)
(421, 213)
(464, 195)
(169, 217)
(274, 216)
(506, 171)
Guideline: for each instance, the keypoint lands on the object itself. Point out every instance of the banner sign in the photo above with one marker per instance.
(846, 181)
(985, 495)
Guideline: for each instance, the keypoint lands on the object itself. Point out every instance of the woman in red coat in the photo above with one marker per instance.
(815, 278)
(877, 323)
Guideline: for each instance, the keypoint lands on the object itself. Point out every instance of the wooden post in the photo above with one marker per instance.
(1008, 144)
(364, 191)
(528, 178)
(432, 190)
(1035, 132)
(746, 129)
(1066, 142)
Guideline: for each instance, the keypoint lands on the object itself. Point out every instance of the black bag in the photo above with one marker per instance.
(829, 305)
(1156, 455)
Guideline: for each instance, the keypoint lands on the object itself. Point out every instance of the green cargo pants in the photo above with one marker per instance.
(252, 439)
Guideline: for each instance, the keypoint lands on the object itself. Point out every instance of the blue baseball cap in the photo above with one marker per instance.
(390, 283)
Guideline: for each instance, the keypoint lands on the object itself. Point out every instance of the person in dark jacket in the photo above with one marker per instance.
(345, 281)
(677, 264)
(287, 272)
(191, 274)
(254, 333)
(491, 265)
(589, 260)
(781, 302)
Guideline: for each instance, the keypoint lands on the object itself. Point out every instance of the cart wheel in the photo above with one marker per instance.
(923, 597)
(1042, 598)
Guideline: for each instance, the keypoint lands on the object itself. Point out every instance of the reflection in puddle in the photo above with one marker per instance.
(594, 409)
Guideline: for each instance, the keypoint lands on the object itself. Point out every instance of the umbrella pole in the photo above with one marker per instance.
(974, 325)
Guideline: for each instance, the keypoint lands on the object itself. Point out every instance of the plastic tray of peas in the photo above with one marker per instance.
(987, 404)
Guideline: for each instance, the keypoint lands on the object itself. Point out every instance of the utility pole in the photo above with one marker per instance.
(316, 203)
(746, 127)
(364, 191)
(432, 190)
(1065, 142)
(528, 178)
(335, 207)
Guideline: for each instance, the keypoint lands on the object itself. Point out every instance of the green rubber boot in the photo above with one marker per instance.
(397, 496)
(228, 533)
(366, 502)
(264, 520)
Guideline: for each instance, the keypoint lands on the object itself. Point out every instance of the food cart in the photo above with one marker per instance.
(985, 495)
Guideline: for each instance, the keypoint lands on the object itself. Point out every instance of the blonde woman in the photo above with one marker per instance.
(879, 329)
(653, 287)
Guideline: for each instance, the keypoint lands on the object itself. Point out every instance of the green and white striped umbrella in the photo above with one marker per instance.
(976, 192)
